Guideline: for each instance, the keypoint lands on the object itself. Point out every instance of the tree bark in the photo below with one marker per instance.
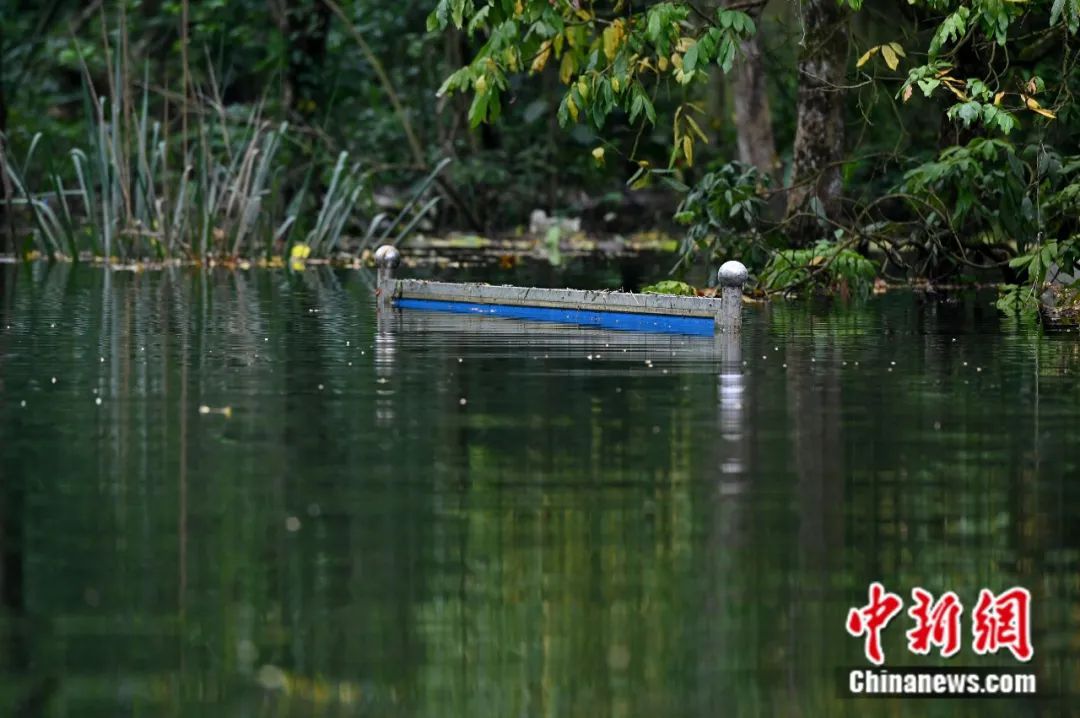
(819, 132)
(7, 235)
(753, 119)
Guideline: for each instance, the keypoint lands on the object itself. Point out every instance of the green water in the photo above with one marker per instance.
(445, 516)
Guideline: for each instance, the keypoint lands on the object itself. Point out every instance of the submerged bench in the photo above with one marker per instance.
(610, 310)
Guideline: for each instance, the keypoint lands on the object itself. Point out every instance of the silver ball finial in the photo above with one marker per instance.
(387, 256)
(732, 274)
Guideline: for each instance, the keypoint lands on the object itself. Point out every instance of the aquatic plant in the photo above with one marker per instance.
(827, 265)
(670, 286)
(138, 189)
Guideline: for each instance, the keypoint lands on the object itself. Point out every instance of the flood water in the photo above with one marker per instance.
(239, 494)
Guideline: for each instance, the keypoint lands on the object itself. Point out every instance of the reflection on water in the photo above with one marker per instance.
(459, 516)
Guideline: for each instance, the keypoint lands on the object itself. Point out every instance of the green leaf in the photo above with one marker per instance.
(951, 29)
(478, 111)
(928, 86)
(478, 19)
(670, 286)
(690, 59)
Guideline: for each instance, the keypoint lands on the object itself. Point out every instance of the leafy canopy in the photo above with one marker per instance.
(610, 57)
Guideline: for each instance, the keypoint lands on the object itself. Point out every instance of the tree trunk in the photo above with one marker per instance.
(7, 237)
(306, 25)
(753, 120)
(819, 131)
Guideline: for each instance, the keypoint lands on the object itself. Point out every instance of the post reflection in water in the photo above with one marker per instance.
(385, 356)
(732, 395)
(420, 514)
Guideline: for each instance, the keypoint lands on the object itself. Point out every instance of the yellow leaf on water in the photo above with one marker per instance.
(890, 57)
(867, 55)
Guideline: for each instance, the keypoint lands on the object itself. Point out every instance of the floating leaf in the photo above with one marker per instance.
(670, 286)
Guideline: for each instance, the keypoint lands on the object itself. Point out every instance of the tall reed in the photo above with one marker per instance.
(126, 196)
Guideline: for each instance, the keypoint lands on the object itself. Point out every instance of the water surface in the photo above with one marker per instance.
(240, 494)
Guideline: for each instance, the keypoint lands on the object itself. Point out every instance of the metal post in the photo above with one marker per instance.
(387, 259)
(732, 276)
